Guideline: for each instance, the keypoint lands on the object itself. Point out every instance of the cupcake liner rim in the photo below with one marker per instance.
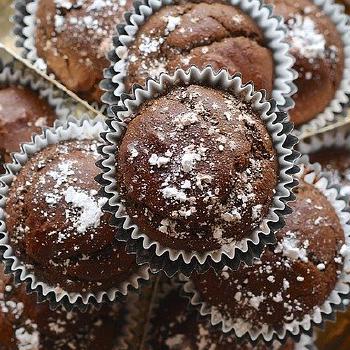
(163, 258)
(272, 27)
(321, 313)
(74, 129)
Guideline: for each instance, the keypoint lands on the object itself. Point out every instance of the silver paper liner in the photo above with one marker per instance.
(170, 260)
(71, 130)
(336, 107)
(271, 26)
(339, 138)
(166, 286)
(311, 173)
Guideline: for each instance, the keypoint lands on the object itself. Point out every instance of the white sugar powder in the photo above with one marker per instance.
(91, 209)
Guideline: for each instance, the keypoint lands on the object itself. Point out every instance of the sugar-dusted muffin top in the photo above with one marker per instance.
(292, 278)
(22, 113)
(73, 38)
(27, 325)
(176, 326)
(56, 224)
(318, 49)
(200, 33)
(197, 169)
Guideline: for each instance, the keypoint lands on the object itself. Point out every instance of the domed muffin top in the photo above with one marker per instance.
(200, 33)
(318, 49)
(197, 169)
(56, 224)
(292, 279)
(73, 38)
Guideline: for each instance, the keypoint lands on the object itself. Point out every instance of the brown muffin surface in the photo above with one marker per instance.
(22, 113)
(55, 220)
(174, 326)
(292, 278)
(73, 38)
(200, 33)
(27, 325)
(196, 169)
(318, 49)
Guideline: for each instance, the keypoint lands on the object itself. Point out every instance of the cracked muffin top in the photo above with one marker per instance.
(292, 279)
(56, 224)
(197, 169)
(22, 113)
(200, 33)
(318, 49)
(73, 37)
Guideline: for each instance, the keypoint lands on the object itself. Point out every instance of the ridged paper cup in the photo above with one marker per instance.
(170, 260)
(168, 286)
(271, 27)
(336, 107)
(72, 130)
(331, 140)
(312, 174)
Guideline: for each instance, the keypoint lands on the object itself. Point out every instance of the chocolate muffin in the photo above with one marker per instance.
(73, 38)
(200, 33)
(337, 162)
(196, 169)
(318, 50)
(26, 325)
(22, 113)
(292, 279)
(56, 225)
(175, 327)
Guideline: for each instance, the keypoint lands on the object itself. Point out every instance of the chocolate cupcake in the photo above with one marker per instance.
(73, 38)
(291, 282)
(205, 165)
(161, 37)
(22, 113)
(318, 49)
(24, 324)
(173, 326)
(194, 172)
(200, 33)
(55, 221)
(61, 242)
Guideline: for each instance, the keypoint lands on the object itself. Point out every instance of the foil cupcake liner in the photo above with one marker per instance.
(339, 138)
(312, 174)
(336, 107)
(71, 130)
(14, 73)
(169, 260)
(271, 26)
(166, 286)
